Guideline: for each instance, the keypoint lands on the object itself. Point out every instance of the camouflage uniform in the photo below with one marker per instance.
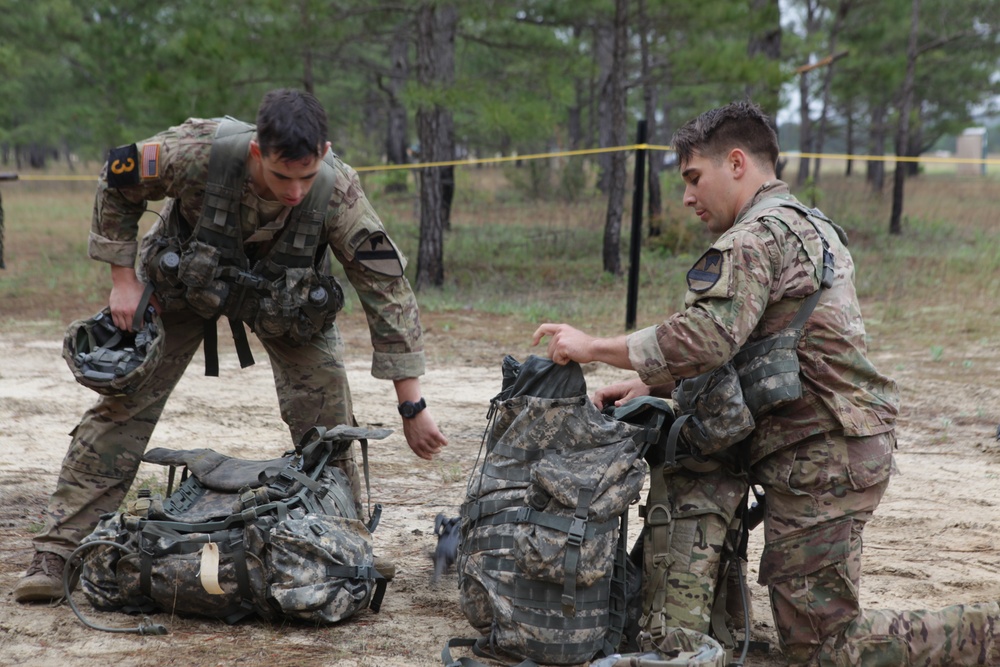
(824, 460)
(311, 383)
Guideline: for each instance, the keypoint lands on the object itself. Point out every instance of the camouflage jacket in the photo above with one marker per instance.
(351, 223)
(749, 285)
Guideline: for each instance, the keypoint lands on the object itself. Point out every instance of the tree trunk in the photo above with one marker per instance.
(649, 99)
(574, 114)
(842, 10)
(849, 137)
(903, 128)
(805, 129)
(614, 94)
(915, 143)
(604, 52)
(396, 116)
(436, 28)
(813, 10)
(876, 148)
(765, 39)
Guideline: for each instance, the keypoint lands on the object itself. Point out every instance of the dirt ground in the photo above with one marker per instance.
(933, 541)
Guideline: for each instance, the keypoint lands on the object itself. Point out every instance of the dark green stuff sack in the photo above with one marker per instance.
(278, 539)
(542, 560)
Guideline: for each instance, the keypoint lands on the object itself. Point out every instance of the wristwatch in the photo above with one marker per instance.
(409, 409)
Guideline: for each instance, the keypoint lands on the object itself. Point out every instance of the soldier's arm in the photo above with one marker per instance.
(717, 321)
(375, 268)
(169, 164)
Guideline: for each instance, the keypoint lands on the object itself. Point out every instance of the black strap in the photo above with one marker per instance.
(240, 339)
(140, 310)
(210, 344)
(574, 540)
(239, 554)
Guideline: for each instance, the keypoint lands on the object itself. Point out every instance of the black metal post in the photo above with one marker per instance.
(4, 176)
(635, 244)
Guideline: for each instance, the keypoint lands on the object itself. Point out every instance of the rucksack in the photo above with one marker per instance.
(542, 559)
(278, 538)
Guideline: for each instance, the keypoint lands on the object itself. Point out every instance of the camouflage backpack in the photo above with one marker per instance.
(542, 561)
(278, 538)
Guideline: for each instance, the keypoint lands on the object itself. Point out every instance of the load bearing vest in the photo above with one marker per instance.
(281, 293)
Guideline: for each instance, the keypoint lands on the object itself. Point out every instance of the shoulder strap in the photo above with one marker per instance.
(226, 173)
(811, 215)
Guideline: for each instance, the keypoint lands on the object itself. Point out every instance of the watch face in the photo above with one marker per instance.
(409, 409)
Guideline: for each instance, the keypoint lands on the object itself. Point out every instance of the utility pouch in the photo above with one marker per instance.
(717, 416)
(769, 371)
(198, 264)
(209, 301)
(161, 267)
(320, 309)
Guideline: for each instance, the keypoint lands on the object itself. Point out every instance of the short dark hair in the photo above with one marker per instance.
(292, 124)
(737, 125)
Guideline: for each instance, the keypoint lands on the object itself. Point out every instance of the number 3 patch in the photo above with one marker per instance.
(123, 166)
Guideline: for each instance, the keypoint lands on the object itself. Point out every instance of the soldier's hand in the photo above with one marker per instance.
(126, 293)
(620, 393)
(566, 344)
(423, 436)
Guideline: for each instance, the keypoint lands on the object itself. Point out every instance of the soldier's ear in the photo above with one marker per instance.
(737, 162)
(255, 149)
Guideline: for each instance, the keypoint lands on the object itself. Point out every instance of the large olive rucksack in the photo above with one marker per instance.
(543, 558)
(278, 538)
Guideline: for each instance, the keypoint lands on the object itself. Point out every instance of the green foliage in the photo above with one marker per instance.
(678, 236)
(549, 179)
(84, 75)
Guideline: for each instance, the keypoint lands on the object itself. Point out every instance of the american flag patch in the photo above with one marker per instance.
(150, 164)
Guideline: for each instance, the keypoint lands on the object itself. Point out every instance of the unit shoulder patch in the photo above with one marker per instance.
(706, 271)
(378, 254)
(123, 166)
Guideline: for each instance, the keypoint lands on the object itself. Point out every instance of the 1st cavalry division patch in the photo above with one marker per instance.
(379, 254)
(706, 271)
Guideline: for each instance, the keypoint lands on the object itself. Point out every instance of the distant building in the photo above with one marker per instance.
(971, 145)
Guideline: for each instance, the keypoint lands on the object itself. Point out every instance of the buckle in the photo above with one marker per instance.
(577, 531)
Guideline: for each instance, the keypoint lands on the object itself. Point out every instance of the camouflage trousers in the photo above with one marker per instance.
(108, 443)
(820, 494)
(682, 560)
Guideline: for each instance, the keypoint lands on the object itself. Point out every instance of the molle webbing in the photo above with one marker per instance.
(769, 368)
(219, 226)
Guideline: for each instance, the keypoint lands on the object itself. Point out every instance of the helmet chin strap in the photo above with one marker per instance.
(140, 310)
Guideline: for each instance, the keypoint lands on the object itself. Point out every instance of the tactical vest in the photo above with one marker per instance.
(769, 368)
(281, 294)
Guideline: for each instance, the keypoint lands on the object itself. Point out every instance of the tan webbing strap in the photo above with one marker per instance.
(659, 529)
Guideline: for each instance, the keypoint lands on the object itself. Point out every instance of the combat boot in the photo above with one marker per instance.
(43, 582)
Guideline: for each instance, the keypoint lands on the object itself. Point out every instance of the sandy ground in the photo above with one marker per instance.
(932, 543)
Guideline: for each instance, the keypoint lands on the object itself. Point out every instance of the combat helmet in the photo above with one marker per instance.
(111, 361)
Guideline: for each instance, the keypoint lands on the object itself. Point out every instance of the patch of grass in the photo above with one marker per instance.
(451, 473)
